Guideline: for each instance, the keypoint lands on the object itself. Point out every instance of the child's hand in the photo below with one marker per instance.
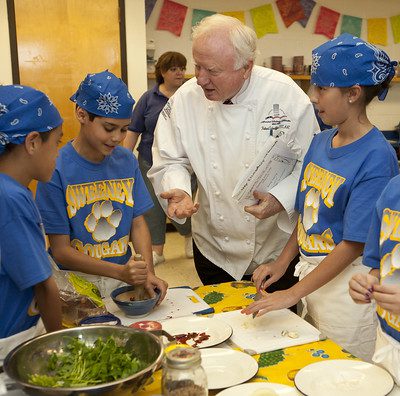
(271, 302)
(266, 274)
(361, 286)
(153, 282)
(387, 297)
(134, 272)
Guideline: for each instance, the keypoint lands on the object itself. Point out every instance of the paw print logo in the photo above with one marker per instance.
(103, 221)
(311, 206)
(390, 267)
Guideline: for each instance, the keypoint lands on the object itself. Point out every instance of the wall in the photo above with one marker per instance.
(135, 40)
(291, 41)
(5, 55)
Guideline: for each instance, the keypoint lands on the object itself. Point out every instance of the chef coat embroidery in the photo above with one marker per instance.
(276, 123)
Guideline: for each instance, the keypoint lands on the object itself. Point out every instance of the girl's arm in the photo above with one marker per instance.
(331, 266)
(334, 263)
(48, 301)
(266, 274)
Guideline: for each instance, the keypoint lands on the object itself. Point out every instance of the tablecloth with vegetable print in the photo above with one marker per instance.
(278, 366)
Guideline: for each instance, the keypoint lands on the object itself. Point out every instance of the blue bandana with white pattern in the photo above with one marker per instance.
(23, 110)
(104, 95)
(347, 60)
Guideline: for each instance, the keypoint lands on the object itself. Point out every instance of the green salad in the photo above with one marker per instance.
(83, 365)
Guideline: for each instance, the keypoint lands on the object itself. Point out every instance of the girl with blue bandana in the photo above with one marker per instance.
(382, 283)
(94, 204)
(344, 172)
(30, 131)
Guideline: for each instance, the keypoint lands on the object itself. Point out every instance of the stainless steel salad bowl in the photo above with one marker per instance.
(31, 358)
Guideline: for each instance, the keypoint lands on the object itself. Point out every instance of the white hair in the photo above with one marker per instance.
(243, 38)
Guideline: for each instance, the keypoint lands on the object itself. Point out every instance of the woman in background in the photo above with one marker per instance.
(170, 75)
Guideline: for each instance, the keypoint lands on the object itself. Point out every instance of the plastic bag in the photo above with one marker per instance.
(79, 297)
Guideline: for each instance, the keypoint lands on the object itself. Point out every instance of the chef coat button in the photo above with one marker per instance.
(247, 136)
(247, 218)
(246, 165)
(217, 193)
(248, 241)
(210, 108)
(214, 165)
(221, 218)
(213, 137)
(226, 239)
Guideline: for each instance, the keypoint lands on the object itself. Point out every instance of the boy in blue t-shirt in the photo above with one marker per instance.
(30, 130)
(382, 283)
(94, 204)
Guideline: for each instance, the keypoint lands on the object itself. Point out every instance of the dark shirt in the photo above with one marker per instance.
(144, 119)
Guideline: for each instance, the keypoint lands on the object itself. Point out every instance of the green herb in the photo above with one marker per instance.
(83, 365)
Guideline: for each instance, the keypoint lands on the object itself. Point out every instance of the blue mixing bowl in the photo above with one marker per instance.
(136, 309)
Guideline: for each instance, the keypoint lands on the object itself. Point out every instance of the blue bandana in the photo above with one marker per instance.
(347, 60)
(104, 95)
(24, 110)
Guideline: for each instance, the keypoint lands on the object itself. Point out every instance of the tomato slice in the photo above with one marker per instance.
(147, 325)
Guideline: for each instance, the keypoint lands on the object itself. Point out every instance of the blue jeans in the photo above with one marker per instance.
(156, 218)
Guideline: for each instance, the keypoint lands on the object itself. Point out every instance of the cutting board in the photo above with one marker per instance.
(269, 332)
(179, 301)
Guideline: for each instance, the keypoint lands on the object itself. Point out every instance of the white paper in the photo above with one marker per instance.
(272, 164)
(178, 302)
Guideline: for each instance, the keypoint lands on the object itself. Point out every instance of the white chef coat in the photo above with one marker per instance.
(218, 142)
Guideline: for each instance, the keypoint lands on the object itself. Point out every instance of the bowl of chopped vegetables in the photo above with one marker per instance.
(88, 360)
(126, 299)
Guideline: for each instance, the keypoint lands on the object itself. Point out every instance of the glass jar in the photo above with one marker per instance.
(183, 374)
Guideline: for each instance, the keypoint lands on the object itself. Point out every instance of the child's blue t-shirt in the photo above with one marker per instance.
(382, 250)
(94, 203)
(338, 188)
(23, 258)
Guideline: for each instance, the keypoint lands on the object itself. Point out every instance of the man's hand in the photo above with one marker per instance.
(180, 204)
(266, 206)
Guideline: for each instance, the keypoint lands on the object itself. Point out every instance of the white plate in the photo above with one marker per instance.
(227, 367)
(343, 378)
(218, 330)
(260, 389)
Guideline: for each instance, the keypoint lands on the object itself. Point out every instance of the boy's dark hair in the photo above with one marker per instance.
(166, 61)
(43, 135)
(91, 115)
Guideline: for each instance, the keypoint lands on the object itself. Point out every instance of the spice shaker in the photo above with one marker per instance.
(183, 374)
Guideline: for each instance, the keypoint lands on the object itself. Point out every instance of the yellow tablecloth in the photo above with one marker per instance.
(278, 366)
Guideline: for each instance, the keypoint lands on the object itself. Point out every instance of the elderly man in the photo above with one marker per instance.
(214, 126)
